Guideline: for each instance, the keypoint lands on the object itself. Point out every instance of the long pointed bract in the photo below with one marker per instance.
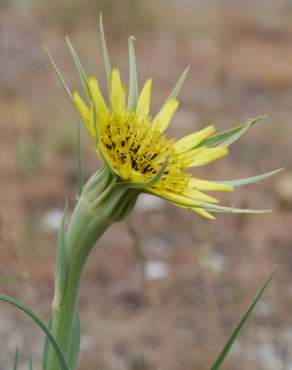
(248, 180)
(60, 78)
(80, 70)
(216, 208)
(236, 136)
(133, 89)
(218, 138)
(106, 59)
(174, 92)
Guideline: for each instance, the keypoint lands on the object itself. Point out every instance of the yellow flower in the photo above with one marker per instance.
(134, 148)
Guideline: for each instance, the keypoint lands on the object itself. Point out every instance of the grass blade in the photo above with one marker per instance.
(143, 362)
(47, 347)
(133, 90)
(15, 358)
(30, 362)
(43, 326)
(80, 177)
(8, 279)
(215, 139)
(80, 70)
(231, 340)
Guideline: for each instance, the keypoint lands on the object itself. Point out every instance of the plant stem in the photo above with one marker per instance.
(78, 247)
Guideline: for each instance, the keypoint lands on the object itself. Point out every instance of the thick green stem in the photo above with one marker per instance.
(102, 203)
(78, 246)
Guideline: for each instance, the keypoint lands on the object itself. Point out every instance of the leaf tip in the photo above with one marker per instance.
(56, 305)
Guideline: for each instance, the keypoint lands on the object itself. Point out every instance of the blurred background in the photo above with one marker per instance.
(167, 281)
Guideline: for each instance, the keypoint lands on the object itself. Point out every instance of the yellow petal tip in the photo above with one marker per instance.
(125, 171)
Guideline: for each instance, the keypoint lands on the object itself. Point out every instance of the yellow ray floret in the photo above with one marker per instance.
(204, 213)
(206, 156)
(144, 100)
(163, 118)
(102, 109)
(116, 91)
(208, 185)
(84, 113)
(195, 194)
(191, 141)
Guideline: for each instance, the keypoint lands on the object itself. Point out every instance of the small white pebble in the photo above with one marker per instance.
(51, 220)
(148, 202)
(155, 270)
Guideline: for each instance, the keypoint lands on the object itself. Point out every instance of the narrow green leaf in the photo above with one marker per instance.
(61, 267)
(231, 340)
(74, 344)
(236, 136)
(60, 78)
(47, 347)
(215, 208)
(80, 176)
(249, 180)
(143, 362)
(30, 362)
(15, 358)
(80, 70)
(106, 59)
(8, 279)
(133, 90)
(215, 139)
(174, 92)
(43, 326)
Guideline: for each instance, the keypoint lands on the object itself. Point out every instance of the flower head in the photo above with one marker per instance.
(134, 148)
